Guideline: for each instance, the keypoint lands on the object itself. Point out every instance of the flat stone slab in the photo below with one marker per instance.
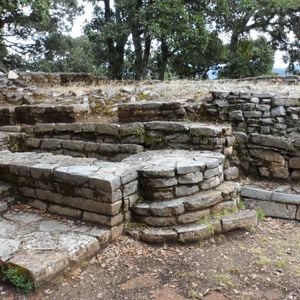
(268, 195)
(43, 247)
(165, 163)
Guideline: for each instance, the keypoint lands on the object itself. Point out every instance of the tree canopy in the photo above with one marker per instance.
(139, 38)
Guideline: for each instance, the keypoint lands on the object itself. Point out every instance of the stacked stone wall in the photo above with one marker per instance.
(31, 114)
(159, 111)
(150, 135)
(62, 79)
(84, 189)
(267, 131)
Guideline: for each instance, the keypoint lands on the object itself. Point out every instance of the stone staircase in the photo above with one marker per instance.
(185, 198)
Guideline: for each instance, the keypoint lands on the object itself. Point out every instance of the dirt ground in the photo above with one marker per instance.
(242, 265)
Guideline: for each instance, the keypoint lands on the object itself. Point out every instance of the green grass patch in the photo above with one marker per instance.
(16, 276)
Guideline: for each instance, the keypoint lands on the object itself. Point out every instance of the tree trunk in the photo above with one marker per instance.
(163, 60)
(234, 43)
(140, 38)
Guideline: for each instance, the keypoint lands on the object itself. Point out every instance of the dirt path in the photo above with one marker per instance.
(243, 265)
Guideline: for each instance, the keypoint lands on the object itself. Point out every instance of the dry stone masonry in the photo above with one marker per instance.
(272, 203)
(159, 173)
(267, 130)
(31, 114)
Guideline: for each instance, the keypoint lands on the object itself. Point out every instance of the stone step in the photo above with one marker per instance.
(43, 247)
(152, 135)
(76, 148)
(205, 228)
(172, 174)
(227, 191)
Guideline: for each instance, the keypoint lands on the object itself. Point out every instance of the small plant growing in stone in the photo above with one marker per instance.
(260, 214)
(16, 276)
(241, 205)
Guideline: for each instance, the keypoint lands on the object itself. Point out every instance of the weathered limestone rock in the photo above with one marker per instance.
(231, 173)
(294, 163)
(242, 220)
(268, 155)
(255, 193)
(273, 209)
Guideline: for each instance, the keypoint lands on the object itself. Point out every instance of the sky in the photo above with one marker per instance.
(88, 12)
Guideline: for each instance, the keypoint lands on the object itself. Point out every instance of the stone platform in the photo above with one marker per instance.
(42, 247)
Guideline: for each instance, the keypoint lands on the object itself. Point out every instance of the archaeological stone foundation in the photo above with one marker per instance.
(165, 172)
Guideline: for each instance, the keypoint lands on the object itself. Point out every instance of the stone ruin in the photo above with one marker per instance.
(165, 172)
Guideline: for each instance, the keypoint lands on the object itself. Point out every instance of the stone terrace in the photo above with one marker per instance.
(159, 171)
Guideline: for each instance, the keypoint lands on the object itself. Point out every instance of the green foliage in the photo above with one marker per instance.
(252, 58)
(260, 214)
(15, 276)
(31, 21)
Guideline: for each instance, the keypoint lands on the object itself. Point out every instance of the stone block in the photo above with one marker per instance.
(157, 221)
(278, 111)
(158, 235)
(130, 188)
(202, 200)
(192, 217)
(212, 172)
(190, 178)
(286, 198)
(65, 211)
(240, 220)
(210, 183)
(268, 155)
(272, 208)
(186, 190)
(231, 173)
(102, 220)
(255, 193)
(109, 209)
(236, 115)
(167, 208)
(294, 163)
(192, 233)
(159, 182)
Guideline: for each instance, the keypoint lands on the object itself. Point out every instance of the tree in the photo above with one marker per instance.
(238, 17)
(66, 54)
(194, 59)
(252, 58)
(31, 20)
(109, 31)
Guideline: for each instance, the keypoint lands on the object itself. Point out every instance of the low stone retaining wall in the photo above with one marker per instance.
(269, 156)
(267, 131)
(31, 114)
(290, 79)
(150, 135)
(273, 204)
(81, 188)
(255, 113)
(158, 111)
(51, 79)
